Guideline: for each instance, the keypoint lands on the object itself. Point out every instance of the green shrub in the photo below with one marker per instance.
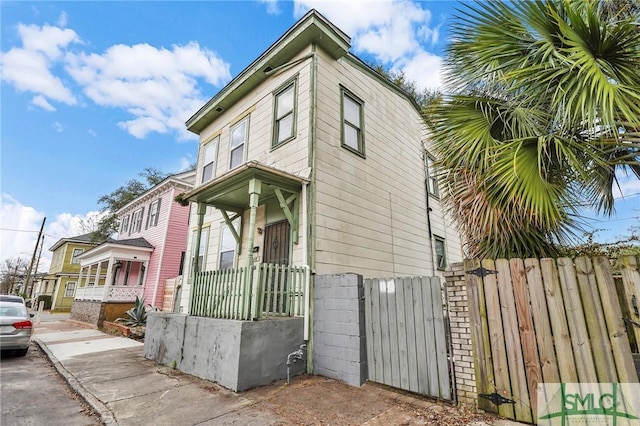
(137, 314)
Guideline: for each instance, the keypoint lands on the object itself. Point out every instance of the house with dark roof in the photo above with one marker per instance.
(62, 279)
(148, 251)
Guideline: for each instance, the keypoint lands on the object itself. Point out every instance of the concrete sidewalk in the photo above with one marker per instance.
(124, 388)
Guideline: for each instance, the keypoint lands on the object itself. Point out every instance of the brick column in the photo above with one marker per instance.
(461, 335)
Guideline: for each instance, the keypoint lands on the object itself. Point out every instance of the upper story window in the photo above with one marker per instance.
(209, 152)
(441, 256)
(74, 257)
(124, 225)
(284, 117)
(352, 123)
(136, 220)
(239, 134)
(432, 180)
(154, 213)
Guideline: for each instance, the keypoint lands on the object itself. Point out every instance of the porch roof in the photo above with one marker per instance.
(230, 191)
(137, 249)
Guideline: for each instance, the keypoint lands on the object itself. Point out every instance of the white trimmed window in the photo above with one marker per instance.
(284, 116)
(136, 220)
(441, 254)
(209, 152)
(154, 212)
(352, 123)
(227, 247)
(124, 225)
(74, 257)
(238, 144)
(432, 181)
(70, 289)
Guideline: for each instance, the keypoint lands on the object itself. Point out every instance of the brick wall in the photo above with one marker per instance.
(461, 335)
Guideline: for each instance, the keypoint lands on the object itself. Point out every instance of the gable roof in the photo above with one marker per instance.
(84, 238)
(311, 28)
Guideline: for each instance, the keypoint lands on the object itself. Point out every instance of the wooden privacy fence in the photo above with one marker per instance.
(545, 321)
(407, 345)
(250, 293)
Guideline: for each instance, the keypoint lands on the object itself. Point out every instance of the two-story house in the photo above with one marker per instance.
(149, 250)
(310, 162)
(62, 280)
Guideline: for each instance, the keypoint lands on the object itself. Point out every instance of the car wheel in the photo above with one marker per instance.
(22, 352)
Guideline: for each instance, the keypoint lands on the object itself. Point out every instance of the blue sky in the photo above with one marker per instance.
(94, 92)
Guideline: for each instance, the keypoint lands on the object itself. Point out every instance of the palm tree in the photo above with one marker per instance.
(543, 108)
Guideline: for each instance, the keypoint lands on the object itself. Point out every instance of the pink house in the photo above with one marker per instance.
(148, 251)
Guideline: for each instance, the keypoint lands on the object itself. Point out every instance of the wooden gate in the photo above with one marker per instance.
(543, 321)
(407, 344)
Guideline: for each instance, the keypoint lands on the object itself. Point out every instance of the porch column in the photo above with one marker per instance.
(255, 188)
(202, 209)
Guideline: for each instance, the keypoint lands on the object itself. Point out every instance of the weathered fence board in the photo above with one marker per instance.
(407, 345)
(480, 335)
(538, 321)
(631, 292)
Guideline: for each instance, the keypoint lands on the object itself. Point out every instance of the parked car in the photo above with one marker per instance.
(15, 327)
(11, 298)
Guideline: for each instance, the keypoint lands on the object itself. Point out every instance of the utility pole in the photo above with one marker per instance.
(37, 265)
(33, 258)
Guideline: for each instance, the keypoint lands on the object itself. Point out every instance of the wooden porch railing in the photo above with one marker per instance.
(249, 293)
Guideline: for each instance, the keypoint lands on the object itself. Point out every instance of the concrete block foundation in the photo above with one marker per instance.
(238, 355)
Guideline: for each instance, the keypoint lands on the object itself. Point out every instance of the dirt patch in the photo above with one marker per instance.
(315, 400)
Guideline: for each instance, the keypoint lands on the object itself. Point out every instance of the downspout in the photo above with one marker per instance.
(305, 253)
(426, 192)
(310, 212)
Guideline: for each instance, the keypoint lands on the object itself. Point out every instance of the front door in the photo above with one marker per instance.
(276, 243)
(276, 259)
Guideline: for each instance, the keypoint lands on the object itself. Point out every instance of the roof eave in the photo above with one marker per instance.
(312, 28)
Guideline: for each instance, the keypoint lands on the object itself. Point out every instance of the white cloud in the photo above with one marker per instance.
(58, 127)
(629, 188)
(28, 68)
(272, 6)
(93, 133)
(159, 88)
(21, 224)
(42, 102)
(394, 32)
(424, 68)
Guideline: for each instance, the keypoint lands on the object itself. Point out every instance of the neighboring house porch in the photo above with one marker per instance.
(111, 277)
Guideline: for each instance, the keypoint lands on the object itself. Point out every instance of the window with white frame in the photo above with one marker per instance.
(124, 225)
(441, 256)
(352, 123)
(70, 289)
(227, 247)
(136, 220)
(432, 179)
(202, 253)
(209, 152)
(154, 212)
(238, 143)
(74, 257)
(284, 116)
